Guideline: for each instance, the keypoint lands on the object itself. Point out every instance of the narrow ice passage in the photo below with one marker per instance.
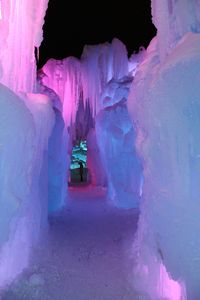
(86, 254)
(140, 118)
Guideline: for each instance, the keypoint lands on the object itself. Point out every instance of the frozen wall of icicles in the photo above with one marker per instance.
(21, 24)
(73, 79)
(95, 89)
(27, 119)
(164, 104)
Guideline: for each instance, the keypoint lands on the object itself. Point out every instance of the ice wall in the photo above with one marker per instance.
(115, 138)
(14, 182)
(25, 126)
(23, 140)
(21, 31)
(165, 109)
(94, 161)
(58, 158)
(84, 80)
(100, 64)
(58, 161)
(173, 19)
(94, 91)
(64, 77)
(44, 118)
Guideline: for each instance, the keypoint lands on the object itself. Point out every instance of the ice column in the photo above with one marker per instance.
(20, 32)
(165, 108)
(25, 126)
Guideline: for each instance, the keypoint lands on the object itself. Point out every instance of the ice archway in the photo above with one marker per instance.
(95, 88)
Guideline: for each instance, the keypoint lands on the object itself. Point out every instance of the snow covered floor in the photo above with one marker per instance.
(85, 255)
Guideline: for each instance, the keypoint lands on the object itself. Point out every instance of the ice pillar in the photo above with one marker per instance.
(25, 125)
(165, 108)
(20, 32)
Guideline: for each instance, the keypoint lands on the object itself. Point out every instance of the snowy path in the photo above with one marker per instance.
(85, 256)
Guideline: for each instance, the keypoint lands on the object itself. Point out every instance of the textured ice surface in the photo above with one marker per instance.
(85, 254)
(94, 91)
(58, 158)
(173, 19)
(23, 184)
(94, 161)
(25, 126)
(44, 119)
(20, 32)
(164, 105)
(75, 80)
(165, 110)
(115, 138)
(16, 153)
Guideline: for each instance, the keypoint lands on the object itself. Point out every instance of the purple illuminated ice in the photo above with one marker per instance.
(165, 108)
(26, 122)
(101, 79)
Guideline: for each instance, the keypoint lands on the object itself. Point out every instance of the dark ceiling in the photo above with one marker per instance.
(68, 27)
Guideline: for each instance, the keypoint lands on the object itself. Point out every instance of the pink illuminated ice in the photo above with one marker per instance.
(20, 32)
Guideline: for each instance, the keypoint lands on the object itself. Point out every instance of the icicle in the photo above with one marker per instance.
(22, 32)
(75, 80)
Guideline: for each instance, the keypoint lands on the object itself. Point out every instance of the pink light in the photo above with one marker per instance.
(169, 288)
(20, 32)
(0, 11)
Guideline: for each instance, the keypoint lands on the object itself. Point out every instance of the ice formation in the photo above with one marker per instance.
(173, 19)
(42, 127)
(26, 122)
(95, 164)
(58, 156)
(94, 93)
(115, 137)
(164, 105)
(21, 32)
(23, 176)
(58, 161)
(148, 151)
(72, 79)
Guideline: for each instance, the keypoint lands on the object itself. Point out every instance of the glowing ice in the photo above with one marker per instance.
(21, 31)
(164, 105)
(23, 135)
(72, 79)
(115, 137)
(101, 81)
(58, 159)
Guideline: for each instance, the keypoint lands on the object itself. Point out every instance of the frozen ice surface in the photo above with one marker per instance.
(23, 140)
(86, 253)
(162, 140)
(164, 105)
(58, 146)
(20, 32)
(58, 156)
(16, 153)
(93, 91)
(75, 80)
(94, 161)
(173, 19)
(25, 125)
(115, 138)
